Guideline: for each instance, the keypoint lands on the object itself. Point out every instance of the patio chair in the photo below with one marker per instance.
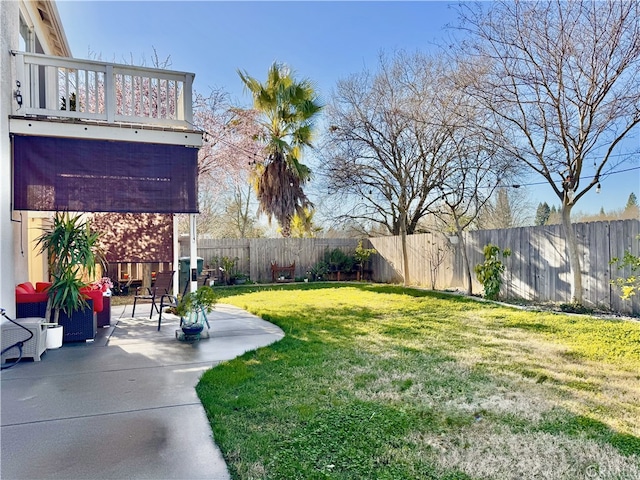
(161, 287)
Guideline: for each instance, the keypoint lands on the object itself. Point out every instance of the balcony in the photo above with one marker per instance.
(95, 99)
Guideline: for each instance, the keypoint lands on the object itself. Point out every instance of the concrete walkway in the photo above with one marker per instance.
(123, 406)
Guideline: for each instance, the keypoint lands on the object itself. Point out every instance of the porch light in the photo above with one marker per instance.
(17, 95)
(598, 188)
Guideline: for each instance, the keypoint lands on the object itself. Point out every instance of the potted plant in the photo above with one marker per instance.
(362, 257)
(191, 306)
(229, 269)
(72, 251)
(240, 278)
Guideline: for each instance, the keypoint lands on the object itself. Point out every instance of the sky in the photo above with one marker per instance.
(323, 41)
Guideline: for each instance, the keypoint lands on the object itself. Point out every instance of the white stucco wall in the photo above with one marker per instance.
(9, 25)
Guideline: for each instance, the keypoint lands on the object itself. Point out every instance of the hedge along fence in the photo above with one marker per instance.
(538, 269)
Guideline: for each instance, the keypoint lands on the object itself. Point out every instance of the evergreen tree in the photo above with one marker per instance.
(632, 202)
(542, 214)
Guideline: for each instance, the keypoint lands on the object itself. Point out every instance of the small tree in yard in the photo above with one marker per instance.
(628, 285)
(362, 256)
(490, 272)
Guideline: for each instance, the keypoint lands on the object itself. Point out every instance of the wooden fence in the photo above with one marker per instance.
(255, 255)
(538, 269)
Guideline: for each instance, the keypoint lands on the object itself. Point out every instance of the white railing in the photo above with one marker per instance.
(93, 90)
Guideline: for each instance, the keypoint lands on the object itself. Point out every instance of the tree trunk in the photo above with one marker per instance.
(467, 267)
(465, 257)
(405, 254)
(574, 257)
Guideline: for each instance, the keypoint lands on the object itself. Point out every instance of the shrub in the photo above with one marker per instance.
(631, 284)
(489, 273)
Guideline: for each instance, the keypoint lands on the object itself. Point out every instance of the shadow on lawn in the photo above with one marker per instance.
(581, 426)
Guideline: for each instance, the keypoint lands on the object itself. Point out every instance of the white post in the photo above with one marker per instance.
(193, 253)
(176, 256)
(110, 95)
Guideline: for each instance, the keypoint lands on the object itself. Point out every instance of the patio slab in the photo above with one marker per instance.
(123, 406)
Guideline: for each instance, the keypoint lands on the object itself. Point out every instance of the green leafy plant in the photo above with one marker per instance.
(338, 261)
(362, 254)
(631, 284)
(319, 270)
(72, 250)
(229, 268)
(193, 303)
(490, 272)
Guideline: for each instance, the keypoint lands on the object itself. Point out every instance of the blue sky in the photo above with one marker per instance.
(322, 41)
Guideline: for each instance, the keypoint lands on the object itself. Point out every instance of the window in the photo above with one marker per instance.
(25, 43)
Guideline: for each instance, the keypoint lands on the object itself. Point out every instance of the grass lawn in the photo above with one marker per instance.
(381, 382)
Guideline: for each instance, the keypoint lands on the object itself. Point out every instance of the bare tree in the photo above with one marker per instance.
(563, 84)
(225, 163)
(385, 154)
(474, 173)
(382, 148)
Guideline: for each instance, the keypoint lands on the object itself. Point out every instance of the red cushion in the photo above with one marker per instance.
(96, 296)
(42, 286)
(31, 297)
(25, 293)
(26, 287)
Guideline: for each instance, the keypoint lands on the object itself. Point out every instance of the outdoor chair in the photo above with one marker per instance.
(161, 287)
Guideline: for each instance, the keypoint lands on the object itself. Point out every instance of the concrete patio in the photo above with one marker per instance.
(123, 406)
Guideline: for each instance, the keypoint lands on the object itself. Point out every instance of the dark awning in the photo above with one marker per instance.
(55, 173)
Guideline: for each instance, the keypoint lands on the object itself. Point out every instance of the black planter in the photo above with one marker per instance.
(193, 329)
(80, 326)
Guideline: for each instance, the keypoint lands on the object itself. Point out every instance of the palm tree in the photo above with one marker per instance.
(287, 108)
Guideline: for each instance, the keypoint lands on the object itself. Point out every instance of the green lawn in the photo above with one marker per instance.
(381, 382)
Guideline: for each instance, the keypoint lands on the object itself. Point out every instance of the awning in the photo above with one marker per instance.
(56, 173)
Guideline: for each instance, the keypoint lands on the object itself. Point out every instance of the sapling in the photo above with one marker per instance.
(490, 272)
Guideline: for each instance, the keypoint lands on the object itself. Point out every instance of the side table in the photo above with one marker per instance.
(12, 333)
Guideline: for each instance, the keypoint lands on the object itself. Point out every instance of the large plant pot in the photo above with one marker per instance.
(190, 332)
(80, 326)
(54, 337)
(192, 329)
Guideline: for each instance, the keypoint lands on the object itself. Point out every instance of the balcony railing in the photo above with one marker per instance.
(105, 92)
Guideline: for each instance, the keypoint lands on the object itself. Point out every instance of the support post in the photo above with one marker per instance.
(193, 253)
(176, 257)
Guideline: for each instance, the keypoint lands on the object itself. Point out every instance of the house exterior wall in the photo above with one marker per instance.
(14, 227)
(9, 26)
(42, 53)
